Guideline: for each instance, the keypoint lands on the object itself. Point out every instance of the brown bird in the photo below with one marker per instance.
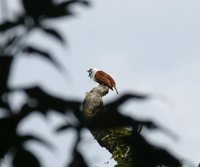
(102, 78)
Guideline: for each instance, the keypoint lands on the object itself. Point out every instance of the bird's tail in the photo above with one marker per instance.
(116, 90)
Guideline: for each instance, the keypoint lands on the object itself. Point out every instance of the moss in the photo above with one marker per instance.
(121, 152)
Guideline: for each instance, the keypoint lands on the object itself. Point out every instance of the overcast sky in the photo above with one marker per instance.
(149, 46)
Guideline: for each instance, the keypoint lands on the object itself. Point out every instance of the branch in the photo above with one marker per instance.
(110, 138)
(119, 134)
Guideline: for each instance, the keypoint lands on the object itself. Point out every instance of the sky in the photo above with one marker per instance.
(147, 46)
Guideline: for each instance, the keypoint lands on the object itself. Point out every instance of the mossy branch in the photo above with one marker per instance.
(110, 138)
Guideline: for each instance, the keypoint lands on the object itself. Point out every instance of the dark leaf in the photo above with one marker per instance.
(48, 9)
(53, 33)
(124, 98)
(5, 68)
(6, 140)
(78, 160)
(64, 127)
(84, 2)
(113, 109)
(9, 24)
(4, 104)
(111, 116)
(146, 154)
(42, 53)
(112, 119)
(10, 41)
(8, 137)
(24, 158)
(46, 102)
(10, 123)
(70, 2)
(37, 8)
(168, 132)
(64, 8)
(26, 138)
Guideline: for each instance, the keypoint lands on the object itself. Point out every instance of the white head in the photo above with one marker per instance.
(92, 71)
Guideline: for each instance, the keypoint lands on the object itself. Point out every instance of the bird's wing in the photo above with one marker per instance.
(103, 78)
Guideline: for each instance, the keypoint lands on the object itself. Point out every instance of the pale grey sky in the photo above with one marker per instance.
(147, 46)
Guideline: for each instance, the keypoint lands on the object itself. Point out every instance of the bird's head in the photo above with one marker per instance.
(91, 72)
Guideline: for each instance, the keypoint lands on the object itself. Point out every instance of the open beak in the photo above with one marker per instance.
(89, 71)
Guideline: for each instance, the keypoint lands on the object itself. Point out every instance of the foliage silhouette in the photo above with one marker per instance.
(108, 124)
(25, 158)
(149, 155)
(42, 53)
(78, 160)
(53, 33)
(38, 100)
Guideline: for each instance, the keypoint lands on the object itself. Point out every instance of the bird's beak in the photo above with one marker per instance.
(89, 71)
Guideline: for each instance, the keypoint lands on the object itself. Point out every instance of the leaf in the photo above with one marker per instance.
(42, 53)
(49, 9)
(63, 127)
(70, 2)
(124, 98)
(4, 104)
(24, 158)
(113, 108)
(5, 68)
(86, 3)
(26, 138)
(64, 8)
(153, 155)
(9, 24)
(111, 115)
(9, 139)
(113, 118)
(46, 101)
(37, 8)
(10, 41)
(8, 135)
(78, 160)
(53, 33)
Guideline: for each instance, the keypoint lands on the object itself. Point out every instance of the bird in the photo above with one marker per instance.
(102, 78)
